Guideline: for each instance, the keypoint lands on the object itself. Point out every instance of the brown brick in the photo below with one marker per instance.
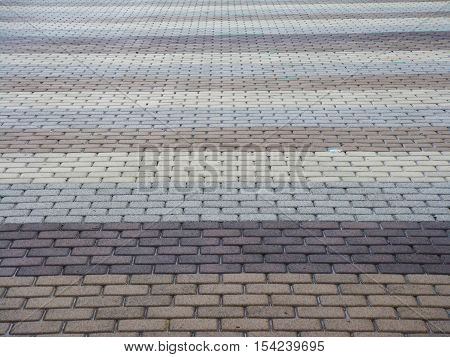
(336, 278)
(78, 290)
(245, 300)
(428, 279)
(143, 325)
(288, 278)
(320, 312)
(442, 326)
(294, 300)
(152, 279)
(218, 334)
(422, 313)
(197, 278)
(173, 289)
(69, 314)
(442, 289)
(296, 324)
(381, 278)
(361, 289)
(370, 312)
(342, 300)
(268, 289)
(20, 315)
(348, 325)
(29, 291)
(434, 301)
(220, 289)
(89, 326)
(119, 312)
(244, 278)
(270, 311)
(325, 334)
(315, 289)
(36, 328)
(105, 279)
(49, 302)
(4, 327)
(197, 300)
(410, 289)
(377, 334)
(148, 300)
(193, 324)
(125, 290)
(58, 280)
(401, 325)
(98, 301)
(220, 311)
(168, 312)
(11, 303)
(16, 281)
(392, 300)
(245, 324)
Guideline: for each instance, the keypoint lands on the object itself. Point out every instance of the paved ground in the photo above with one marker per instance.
(224, 167)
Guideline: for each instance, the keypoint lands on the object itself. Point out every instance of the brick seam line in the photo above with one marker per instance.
(126, 95)
(424, 21)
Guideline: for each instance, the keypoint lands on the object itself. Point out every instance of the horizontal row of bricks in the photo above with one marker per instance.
(182, 17)
(232, 302)
(195, 83)
(225, 247)
(238, 139)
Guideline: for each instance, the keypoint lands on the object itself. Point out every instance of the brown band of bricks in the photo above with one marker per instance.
(204, 83)
(366, 15)
(226, 305)
(288, 138)
(389, 41)
(225, 247)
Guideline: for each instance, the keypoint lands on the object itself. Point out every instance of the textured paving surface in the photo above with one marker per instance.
(224, 167)
(230, 304)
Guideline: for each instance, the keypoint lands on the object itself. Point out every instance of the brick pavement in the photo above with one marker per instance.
(294, 182)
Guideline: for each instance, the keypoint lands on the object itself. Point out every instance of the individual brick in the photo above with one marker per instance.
(369, 312)
(342, 300)
(98, 301)
(142, 325)
(297, 324)
(36, 327)
(401, 325)
(247, 324)
(29, 291)
(169, 312)
(49, 302)
(270, 311)
(422, 313)
(196, 300)
(79, 290)
(193, 324)
(125, 290)
(434, 301)
(348, 325)
(89, 326)
(245, 300)
(69, 314)
(320, 312)
(294, 300)
(118, 313)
